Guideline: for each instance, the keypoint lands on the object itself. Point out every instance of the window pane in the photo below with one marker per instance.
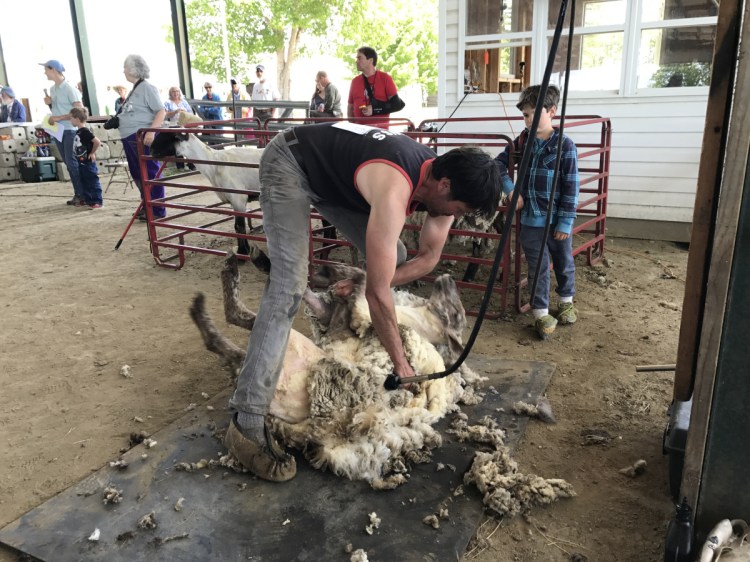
(676, 57)
(658, 10)
(594, 13)
(491, 17)
(496, 70)
(595, 64)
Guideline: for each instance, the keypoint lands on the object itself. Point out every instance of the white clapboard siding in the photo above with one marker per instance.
(656, 140)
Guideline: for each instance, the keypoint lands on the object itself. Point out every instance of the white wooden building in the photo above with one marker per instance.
(643, 63)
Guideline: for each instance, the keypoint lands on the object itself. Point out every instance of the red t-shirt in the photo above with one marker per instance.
(383, 88)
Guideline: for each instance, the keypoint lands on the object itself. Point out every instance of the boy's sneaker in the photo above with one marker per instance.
(80, 203)
(73, 201)
(566, 313)
(95, 206)
(545, 325)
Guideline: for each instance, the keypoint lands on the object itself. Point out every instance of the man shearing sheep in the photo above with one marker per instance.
(365, 181)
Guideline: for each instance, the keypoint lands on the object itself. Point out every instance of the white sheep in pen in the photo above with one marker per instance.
(246, 178)
(330, 401)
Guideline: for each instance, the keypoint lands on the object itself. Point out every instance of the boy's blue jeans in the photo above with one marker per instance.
(92, 189)
(65, 147)
(561, 252)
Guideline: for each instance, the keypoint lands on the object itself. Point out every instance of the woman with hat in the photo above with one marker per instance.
(122, 96)
(12, 110)
(236, 95)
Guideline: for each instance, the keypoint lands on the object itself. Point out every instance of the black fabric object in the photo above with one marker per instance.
(394, 103)
(112, 123)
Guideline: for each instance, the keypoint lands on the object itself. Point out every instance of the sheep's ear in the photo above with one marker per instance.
(317, 307)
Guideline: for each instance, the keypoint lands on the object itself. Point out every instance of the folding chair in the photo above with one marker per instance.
(112, 169)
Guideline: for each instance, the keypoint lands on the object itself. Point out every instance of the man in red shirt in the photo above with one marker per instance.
(379, 83)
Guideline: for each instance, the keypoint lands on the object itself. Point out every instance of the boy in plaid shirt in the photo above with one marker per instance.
(533, 203)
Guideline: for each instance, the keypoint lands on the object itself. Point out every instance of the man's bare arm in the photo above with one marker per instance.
(431, 241)
(388, 194)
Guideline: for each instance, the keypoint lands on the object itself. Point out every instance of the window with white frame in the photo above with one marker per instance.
(620, 46)
(497, 47)
(676, 43)
(596, 61)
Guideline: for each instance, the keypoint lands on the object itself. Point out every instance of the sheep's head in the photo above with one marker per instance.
(166, 144)
(331, 311)
(330, 274)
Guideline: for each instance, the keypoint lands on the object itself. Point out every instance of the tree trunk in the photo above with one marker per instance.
(285, 61)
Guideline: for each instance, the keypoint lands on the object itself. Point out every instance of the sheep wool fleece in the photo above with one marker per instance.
(286, 194)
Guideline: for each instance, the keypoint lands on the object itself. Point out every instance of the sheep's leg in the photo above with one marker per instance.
(260, 259)
(329, 231)
(230, 354)
(247, 248)
(243, 246)
(235, 310)
(471, 270)
(354, 255)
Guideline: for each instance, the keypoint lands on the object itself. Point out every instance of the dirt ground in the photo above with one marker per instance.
(74, 312)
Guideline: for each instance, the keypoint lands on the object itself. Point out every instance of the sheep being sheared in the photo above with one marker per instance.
(245, 178)
(330, 401)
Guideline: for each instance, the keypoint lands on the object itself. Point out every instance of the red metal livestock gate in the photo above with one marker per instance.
(198, 220)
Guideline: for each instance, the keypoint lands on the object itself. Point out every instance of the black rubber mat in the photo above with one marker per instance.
(228, 516)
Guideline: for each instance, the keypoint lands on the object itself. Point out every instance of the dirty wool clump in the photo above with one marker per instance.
(509, 492)
(484, 432)
(506, 490)
(542, 410)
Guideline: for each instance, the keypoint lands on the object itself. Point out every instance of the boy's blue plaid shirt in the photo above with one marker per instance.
(538, 184)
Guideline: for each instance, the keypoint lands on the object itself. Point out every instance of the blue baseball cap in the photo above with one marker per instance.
(8, 91)
(54, 64)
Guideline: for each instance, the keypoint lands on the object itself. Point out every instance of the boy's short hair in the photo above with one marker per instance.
(80, 113)
(530, 96)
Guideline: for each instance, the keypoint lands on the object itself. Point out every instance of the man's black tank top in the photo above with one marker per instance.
(332, 156)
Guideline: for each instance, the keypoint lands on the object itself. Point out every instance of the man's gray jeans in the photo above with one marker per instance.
(285, 198)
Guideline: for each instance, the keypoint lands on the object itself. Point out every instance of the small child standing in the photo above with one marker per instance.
(533, 203)
(85, 145)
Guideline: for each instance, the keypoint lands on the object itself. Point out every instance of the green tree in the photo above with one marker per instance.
(254, 28)
(403, 32)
